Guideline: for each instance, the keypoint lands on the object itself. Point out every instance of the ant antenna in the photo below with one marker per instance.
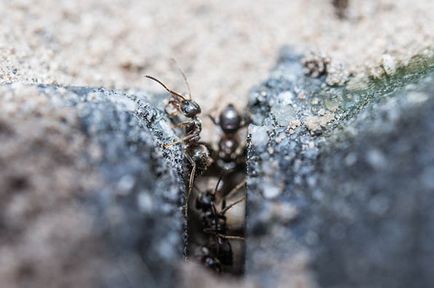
(223, 211)
(235, 189)
(217, 185)
(195, 187)
(212, 118)
(183, 76)
(165, 87)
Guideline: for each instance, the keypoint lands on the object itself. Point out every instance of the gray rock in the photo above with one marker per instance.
(126, 189)
(342, 194)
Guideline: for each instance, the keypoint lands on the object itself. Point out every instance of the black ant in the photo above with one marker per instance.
(229, 157)
(341, 7)
(197, 153)
(219, 250)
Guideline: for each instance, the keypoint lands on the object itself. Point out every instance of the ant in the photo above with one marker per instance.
(219, 251)
(229, 157)
(341, 6)
(197, 153)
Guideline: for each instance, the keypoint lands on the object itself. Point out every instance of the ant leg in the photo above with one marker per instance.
(191, 179)
(167, 145)
(195, 187)
(243, 154)
(236, 188)
(182, 140)
(171, 114)
(246, 120)
(223, 211)
(183, 124)
(212, 118)
(218, 184)
(229, 237)
(175, 106)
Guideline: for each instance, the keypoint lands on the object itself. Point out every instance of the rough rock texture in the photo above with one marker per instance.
(88, 196)
(341, 180)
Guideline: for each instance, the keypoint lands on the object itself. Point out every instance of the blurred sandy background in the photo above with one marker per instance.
(224, 46)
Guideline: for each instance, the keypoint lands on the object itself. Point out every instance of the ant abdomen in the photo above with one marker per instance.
(201, 156)
(225, 253)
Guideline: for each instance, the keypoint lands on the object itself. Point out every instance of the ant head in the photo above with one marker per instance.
(212, 263)
(190, 108)
(230, 119)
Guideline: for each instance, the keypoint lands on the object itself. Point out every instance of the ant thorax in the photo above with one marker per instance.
(193, 126)
(170, 108)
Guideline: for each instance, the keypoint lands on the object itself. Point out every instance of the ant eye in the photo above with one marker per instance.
(190, 108)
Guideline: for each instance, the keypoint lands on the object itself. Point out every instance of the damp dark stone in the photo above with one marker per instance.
(341, 181)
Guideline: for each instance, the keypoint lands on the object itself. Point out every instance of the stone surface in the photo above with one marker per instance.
(341, 179)
(89, 198)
